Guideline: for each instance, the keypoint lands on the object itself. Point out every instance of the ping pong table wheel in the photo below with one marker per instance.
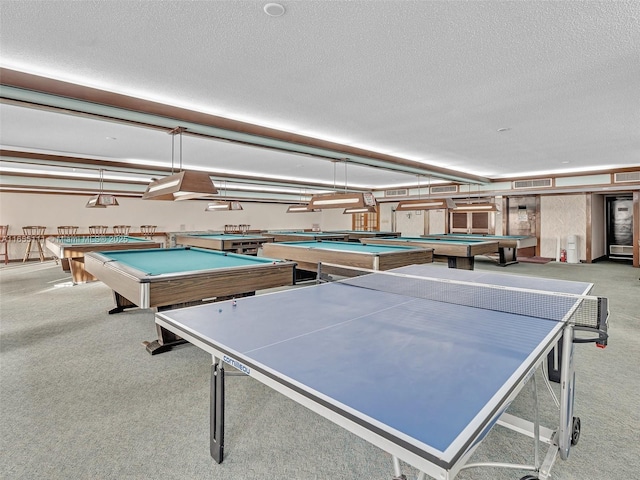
(575, 431)
(529, 477)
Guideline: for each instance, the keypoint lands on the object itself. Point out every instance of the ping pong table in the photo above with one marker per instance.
(421, 361)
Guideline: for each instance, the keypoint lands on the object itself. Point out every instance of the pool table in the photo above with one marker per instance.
(457, 253)
(307, 255)
(356, 235)
(226, 242)
(508, 245)
(292, 236)
(165, 278)
(71, 250)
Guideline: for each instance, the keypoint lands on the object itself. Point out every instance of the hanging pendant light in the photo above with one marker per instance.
(222, 205)
(480, 206)
(301, 207)
(102, 200)
(351, 210)
(476, 207)
(184, 185)
(342, 200)
(425, 203)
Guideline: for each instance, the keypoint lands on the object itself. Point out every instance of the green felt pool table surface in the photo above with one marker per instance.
(301, 236)
(479, 237)
(508, 245)
(459, 253)
(233, 243)
(161, 261)
(72, 249)
(174, 277)
(351, 254)
(348, 246)
(439, 239)
(223, 236)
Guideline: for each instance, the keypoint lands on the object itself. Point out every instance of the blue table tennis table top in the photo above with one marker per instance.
(427, 374)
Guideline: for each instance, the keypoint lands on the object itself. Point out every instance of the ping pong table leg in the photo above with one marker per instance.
(567, 393)
(398, 475)
(216, 415)
(397, 471)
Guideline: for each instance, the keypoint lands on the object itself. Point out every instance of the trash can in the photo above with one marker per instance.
(572, 249)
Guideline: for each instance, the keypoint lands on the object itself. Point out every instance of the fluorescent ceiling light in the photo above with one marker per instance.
(359, 210)
(301, 209)
(223, 205)
(185, 185)
(343, 200)
(426, 204)
(72, 172)
(476, 207)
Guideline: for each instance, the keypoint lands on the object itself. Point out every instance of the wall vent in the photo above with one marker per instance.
(541, 182)
(400, 192)
(624, 250)
(445, 189)
(626, 177)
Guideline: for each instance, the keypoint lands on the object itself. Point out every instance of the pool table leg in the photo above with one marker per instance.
(462, 263)
(508, 256)
(166, 339)
(121, 303)
(64, 262)
(165, 342)
(78, 273)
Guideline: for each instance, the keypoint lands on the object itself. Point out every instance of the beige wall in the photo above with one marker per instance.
(20, 209)
(410, 224)
(561, 216)
(437, 221)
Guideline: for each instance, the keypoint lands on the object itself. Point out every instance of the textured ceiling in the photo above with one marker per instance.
(427, 81)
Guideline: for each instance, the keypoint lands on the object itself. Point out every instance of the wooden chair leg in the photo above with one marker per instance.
(40, 251)
(26, 254)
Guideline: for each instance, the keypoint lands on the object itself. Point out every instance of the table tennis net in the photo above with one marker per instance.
(581, 310)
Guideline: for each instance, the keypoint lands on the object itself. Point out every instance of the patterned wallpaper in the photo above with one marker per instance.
(561, 216)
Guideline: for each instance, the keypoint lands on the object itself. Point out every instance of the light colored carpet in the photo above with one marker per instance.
(80, 398)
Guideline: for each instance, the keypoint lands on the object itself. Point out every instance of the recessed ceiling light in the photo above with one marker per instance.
(274, 9)
(566, 161)
(504, 129)
(111, 138)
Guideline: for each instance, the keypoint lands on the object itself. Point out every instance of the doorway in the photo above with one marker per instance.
(521, 218)
(619, 227)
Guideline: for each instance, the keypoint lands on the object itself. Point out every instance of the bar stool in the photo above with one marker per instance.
(34, 234)
(4, 240)
(98, 229)
(67, 230)
(243, 229)
(121, 230)
(148, 230)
